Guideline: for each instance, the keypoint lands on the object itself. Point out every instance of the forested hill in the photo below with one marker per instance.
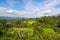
(44, 28)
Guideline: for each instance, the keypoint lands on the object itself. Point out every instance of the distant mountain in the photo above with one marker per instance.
(6, 17)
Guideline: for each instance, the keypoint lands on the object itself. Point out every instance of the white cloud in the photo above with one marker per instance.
(48, 11)
(43, 9)
(9, 11)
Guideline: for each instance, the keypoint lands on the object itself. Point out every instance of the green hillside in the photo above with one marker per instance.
(44, 28)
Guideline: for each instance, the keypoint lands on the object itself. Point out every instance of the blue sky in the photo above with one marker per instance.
(29, 8)
(13, 4)
(18, 4)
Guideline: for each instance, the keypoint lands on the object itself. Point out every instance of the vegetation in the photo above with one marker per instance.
(44, 28)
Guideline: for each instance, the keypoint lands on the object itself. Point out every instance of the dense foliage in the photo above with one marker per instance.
(44, 28)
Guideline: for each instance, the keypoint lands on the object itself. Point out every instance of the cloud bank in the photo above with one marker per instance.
(32, 9)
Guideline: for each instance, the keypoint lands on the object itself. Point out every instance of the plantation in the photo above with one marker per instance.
(44, 28)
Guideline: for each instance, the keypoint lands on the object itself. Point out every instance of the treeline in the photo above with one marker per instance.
(44, 28)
